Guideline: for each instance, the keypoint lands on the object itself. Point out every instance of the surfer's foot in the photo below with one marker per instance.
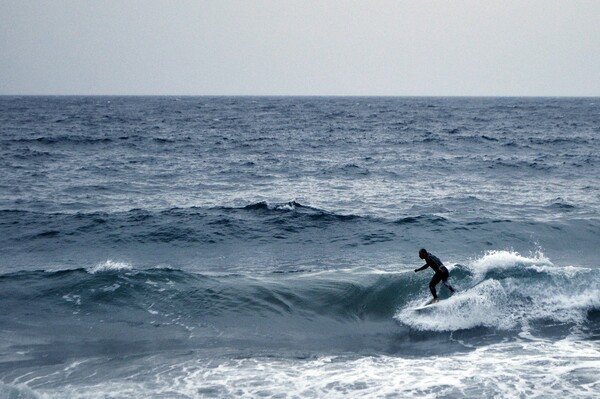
(435, 300)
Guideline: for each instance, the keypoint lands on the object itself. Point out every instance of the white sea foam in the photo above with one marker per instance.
(513, 300)
(481, 306)
(111, 288)
(73, 298)
(110, 266)
(523, 368)
(502, 260)
(18, 391)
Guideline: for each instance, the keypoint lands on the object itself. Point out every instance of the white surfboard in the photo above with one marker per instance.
(427, 305)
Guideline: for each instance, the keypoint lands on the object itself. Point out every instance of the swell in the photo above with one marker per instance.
(258, 221)
(337, 295)
(196, 224)
(113, 309)
(62, 140)
(343, 295)
(295, 231)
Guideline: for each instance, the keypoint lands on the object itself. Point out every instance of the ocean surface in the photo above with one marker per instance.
(219, 247)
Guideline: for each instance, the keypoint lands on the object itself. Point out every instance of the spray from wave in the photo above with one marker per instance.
(511, 291)
(110, 266)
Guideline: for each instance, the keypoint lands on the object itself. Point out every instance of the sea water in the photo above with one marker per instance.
(164, 247)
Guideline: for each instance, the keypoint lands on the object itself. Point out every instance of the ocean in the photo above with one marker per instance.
(220, 247)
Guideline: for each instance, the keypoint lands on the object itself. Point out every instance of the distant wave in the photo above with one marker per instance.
(67, 139)
(302, 225)
(254, 222)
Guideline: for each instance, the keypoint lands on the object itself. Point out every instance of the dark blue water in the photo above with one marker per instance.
(222, 247)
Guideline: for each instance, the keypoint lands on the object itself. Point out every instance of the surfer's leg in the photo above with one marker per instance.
(447, 284)
(444, 277)
(434, 281)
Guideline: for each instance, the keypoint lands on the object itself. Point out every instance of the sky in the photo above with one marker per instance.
(304, 47)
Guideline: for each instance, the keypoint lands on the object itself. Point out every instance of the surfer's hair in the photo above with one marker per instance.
(422, 251)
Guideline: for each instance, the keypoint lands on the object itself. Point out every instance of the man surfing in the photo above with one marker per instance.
(441, 273)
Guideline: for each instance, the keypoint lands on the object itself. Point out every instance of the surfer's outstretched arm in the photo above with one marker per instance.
(422, 268)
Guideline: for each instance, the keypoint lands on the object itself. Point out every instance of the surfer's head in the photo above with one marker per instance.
(422, 253)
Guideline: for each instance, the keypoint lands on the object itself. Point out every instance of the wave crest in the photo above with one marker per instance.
(510, 291)
(110, 266)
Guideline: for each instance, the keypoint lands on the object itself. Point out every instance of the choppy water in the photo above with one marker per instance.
(224, 247)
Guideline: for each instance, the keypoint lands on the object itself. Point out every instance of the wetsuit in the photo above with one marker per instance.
(441, 273)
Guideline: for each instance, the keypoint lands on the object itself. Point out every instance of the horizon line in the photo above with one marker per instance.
(310, 95)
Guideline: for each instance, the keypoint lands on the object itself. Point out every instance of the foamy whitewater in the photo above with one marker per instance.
(216, 247)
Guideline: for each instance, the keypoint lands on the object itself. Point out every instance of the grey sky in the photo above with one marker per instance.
(378, 47)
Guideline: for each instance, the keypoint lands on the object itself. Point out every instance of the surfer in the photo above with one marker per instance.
(441, 273)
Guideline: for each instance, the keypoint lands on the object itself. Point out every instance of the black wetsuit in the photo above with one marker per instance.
(441, 273)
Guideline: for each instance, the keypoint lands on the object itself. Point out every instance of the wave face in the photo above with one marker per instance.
(502, 291)
(265, 247)
(112, 320)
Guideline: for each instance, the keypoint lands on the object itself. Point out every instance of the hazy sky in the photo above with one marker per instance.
(285, 47)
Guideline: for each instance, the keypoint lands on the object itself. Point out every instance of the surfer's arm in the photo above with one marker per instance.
(422, 268)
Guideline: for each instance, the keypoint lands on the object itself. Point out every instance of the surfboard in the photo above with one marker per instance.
(427, 305)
